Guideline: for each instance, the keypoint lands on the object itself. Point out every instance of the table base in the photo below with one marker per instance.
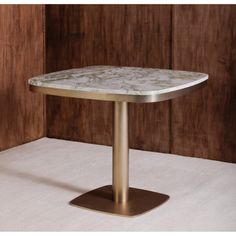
(101, 199)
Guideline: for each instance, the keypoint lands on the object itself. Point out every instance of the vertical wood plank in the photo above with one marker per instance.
(204, 123)
(21, 57)
(125, 35)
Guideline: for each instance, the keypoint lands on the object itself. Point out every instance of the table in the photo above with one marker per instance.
(121, 85)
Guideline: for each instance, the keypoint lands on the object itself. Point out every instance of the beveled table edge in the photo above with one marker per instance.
(117, 97)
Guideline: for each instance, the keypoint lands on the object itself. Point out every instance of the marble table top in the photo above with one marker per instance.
(133, 84)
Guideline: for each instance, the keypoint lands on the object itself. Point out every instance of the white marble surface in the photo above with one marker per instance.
(120, 80)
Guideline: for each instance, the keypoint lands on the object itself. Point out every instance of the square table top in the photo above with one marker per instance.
(113, 83)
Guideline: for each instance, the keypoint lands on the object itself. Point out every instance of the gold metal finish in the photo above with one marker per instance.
(154, 97)
(120, 180)
(101, 199)
(119, 198)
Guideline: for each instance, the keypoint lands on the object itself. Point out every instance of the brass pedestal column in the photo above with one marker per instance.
(119, 198)
(120, 164)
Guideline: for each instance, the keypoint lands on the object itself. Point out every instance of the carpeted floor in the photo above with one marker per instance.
(38, 179)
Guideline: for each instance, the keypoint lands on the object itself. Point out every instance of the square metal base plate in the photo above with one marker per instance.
(100, 199)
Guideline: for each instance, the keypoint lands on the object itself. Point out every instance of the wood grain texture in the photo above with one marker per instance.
(21, 57)
(201, 124)
(204, 123)
(130, 35)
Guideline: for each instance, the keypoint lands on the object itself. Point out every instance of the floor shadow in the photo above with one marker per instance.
(42, 180)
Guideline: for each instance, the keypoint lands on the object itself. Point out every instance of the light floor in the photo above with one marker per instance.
(38, 179)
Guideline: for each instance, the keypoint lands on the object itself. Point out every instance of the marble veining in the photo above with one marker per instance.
(120, 80)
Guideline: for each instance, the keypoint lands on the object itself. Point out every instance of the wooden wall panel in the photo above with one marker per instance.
(130, 35)
(195, 37)
(21, 57)
(204, 123)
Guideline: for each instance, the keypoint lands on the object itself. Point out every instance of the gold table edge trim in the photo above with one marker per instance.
(116, 97)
